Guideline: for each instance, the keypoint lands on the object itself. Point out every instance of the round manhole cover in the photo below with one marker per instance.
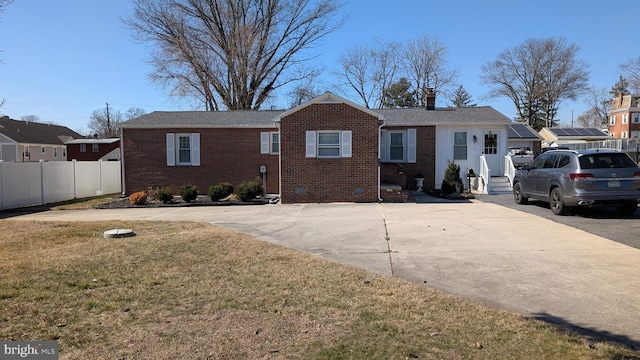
(118, 233)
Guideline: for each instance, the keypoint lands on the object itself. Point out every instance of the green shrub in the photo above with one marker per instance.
(188, 192)
(164, 194)
(452, 182)
(138, 198)
(249, 190)
(220, 191)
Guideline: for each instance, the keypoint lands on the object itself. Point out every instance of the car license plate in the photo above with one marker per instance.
(613, 184)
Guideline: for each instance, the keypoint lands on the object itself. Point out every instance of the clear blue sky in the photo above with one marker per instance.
(65, 59)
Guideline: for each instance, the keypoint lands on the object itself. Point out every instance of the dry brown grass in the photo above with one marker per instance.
(196, 291)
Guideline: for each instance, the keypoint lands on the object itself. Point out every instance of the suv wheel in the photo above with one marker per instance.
(518, 196)
(556, 204)
(627, 208)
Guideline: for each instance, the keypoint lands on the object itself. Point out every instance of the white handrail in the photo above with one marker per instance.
(485, 176)
(509, 169)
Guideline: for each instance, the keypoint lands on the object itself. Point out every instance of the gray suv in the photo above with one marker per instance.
(568, 178)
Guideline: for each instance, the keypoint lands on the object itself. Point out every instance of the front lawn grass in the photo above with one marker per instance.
(197, 291)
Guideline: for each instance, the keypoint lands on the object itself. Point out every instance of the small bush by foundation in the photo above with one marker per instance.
(138, 198)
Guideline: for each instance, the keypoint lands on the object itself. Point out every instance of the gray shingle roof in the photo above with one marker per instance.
(200, 119)
(477, 115)
(26, 132)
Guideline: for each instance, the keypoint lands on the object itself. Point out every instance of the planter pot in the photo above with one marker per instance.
(419, 183)
(474, 183)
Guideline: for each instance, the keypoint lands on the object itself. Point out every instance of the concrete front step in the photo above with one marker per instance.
(500, 185)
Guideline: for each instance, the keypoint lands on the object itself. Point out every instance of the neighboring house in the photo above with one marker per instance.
(326, 150)
(570, 136)
(24, 141)
(624, 117)
(523, 136)
(94, 149)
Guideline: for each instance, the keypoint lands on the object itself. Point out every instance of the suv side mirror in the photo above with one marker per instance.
(525, 167)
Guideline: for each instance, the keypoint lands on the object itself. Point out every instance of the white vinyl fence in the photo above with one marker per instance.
(38, 183)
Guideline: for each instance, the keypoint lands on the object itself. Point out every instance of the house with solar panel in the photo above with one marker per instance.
(571, 136)
(326, 150)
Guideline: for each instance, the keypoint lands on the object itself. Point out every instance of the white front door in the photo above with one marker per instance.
(490, 151)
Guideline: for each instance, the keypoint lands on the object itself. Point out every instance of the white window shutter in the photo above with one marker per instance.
(411, 145)
(195, 149)
(171, 149)
(383, 145)
(346, 147)
(264, 143)
(311, 143)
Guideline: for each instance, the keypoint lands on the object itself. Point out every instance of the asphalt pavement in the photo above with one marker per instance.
(506, 258)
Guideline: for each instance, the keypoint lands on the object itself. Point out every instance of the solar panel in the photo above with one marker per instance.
(520, 131)
(580, 132)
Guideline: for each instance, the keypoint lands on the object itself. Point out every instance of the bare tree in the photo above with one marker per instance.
(427, 66)
(134, 112)
(537, 76)
(631, 71)
(357, 67)
(230, 53)
(305, 90)
(589, 120)
(30, 118)
(370, 70)
(3, 5)
(104, 122)
(599, 102)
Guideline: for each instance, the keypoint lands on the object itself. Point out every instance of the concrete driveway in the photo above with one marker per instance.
(506, 258)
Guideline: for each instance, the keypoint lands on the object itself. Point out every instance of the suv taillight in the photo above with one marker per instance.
(636, 174)
(575, 176)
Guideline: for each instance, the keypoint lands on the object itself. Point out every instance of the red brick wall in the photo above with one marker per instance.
(73, 151)
(226, 155)
(404, 173)
(318, 180)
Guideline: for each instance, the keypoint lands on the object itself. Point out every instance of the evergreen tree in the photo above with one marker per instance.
(622, 86)
(398, 95)
(461, 98)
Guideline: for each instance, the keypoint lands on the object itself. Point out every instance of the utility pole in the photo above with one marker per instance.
(108, 123)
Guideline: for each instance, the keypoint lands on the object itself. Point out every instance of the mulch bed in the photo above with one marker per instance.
(201, 201)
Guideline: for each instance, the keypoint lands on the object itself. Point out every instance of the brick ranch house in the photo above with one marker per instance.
(326, 150)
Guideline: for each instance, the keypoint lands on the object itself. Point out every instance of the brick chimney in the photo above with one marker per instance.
(620, 96)
(430, 99)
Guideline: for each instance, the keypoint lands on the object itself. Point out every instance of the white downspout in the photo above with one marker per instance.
(122, 175)
(277, 125)
(379, 159)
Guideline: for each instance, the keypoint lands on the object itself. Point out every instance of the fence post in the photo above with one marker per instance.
(41, 161)
(2, 184)
(101, 191)
(75, 179)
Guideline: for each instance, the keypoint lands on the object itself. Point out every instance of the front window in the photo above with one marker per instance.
(184, 149)
(396, 145)
(459, 146)
(635, 118)
(490, 143)
(94, 148)
(275, 143)
(43, 150)
(625, 119)
(55, 152)
(83, 147)
(329, 144)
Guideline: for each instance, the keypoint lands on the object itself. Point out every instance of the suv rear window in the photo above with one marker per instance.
(605, 161)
